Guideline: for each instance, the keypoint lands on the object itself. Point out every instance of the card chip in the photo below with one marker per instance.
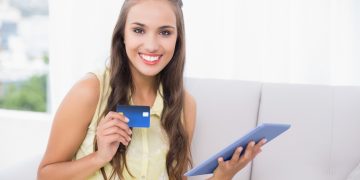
(145, 114)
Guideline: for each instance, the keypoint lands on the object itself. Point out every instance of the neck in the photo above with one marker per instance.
(144, 90)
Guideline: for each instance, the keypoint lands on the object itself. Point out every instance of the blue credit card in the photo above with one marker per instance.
(139, 116)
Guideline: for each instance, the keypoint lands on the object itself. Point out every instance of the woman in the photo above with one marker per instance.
(89, 140)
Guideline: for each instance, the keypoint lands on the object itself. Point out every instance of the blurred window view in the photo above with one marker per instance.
(24, 61)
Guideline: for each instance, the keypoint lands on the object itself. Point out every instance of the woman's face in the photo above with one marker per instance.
(150, 36)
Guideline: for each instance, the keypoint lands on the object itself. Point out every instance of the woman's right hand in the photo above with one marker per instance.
(111, 131)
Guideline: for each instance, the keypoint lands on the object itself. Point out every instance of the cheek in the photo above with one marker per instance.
(170, 47)
(131, 47)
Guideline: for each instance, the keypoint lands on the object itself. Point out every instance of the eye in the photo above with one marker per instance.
(138, 31)
(165, 33)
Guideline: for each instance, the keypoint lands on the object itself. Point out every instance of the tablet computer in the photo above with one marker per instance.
(266, 130)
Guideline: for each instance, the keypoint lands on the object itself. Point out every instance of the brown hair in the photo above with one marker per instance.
(178, 158)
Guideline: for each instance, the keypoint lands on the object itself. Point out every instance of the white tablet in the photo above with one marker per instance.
(266, 130)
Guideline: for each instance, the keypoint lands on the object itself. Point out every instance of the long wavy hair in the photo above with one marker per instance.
(178, 158)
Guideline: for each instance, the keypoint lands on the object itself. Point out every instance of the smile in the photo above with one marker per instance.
(150, 59)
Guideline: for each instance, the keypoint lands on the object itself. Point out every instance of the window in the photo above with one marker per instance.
(24, 55)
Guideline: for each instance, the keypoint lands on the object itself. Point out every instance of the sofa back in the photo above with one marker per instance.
(323, 142)
(226, 110)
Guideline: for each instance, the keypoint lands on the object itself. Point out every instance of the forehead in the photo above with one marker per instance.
(152, 13)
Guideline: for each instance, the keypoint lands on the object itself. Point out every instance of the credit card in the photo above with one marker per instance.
(139, 116)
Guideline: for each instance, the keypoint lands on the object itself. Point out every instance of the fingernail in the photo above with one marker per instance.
(127, 119)
(129, 138)
(121, 113)
(239, 149)
(264, 141)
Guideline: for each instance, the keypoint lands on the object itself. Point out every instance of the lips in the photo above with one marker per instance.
(150, 59)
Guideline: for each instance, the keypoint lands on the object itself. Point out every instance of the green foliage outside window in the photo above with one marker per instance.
(29, 95)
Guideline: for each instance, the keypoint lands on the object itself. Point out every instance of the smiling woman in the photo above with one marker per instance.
(146, 68)
(90, 140)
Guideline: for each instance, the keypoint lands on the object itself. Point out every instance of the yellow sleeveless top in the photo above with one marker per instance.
(146, 154)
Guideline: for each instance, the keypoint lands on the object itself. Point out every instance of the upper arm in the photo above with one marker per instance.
(72, 120)
(189, 114)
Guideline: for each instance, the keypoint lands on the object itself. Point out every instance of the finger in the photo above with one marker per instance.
(249, 151)
(116, 130)
(262, 142)
(121, 116)
(124, 142)
(114, 115)
(117, 123)
(221, 162)
(236, 156)
(105, 119)
(258, 146)
(115, 138)
(257, 152)
(102, 121)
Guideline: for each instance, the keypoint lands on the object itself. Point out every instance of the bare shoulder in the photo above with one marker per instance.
(72, 120)
(88, 87)
(189, 113)
(80, 103)
(82, 97)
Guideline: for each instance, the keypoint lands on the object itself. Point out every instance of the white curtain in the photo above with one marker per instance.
(290, 41)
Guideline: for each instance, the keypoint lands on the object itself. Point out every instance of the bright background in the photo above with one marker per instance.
(286, 41)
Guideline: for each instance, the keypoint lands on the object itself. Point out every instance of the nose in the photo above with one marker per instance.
(151, 44)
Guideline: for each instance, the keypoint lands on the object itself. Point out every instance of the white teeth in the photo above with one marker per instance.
(150, 58)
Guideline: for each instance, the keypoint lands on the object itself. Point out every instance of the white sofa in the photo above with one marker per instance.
(322, 144)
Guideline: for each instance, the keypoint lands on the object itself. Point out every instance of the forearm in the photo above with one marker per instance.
(79, 169)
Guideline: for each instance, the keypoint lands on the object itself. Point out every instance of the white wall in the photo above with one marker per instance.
(306, 41)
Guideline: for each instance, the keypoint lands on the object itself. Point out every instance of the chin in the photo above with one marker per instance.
(150, 73)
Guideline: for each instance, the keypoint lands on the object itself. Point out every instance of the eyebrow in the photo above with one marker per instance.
(162, 27)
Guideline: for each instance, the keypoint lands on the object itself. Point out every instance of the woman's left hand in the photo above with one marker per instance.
(227, 169)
